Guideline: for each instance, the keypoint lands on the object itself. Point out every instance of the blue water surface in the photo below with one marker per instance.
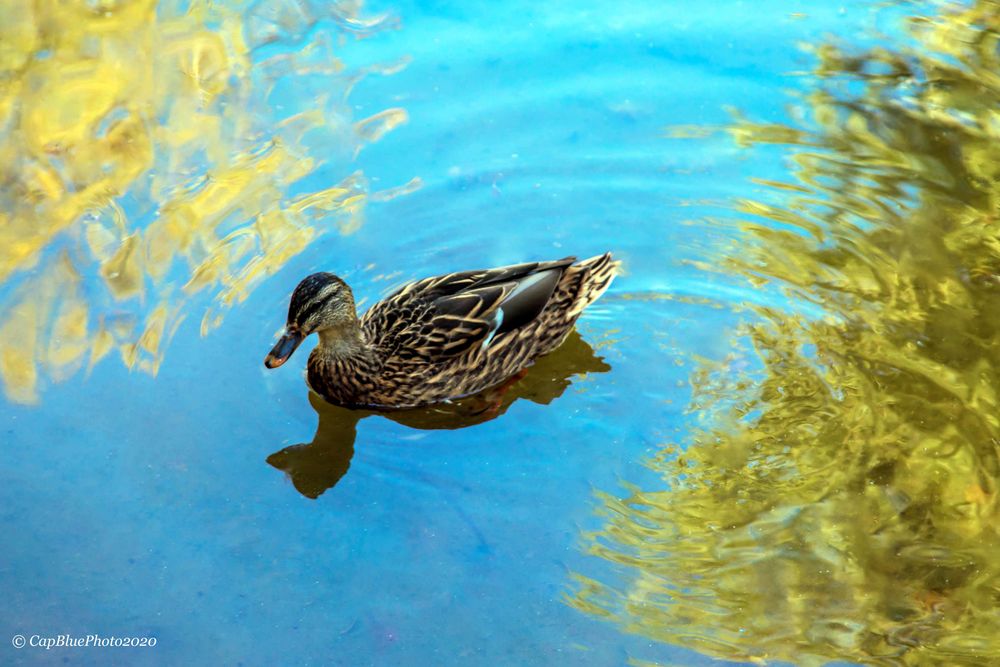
(140, 505)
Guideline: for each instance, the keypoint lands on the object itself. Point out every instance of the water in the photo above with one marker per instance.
(171, 173)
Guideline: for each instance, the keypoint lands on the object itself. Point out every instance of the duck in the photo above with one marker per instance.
(437, 339)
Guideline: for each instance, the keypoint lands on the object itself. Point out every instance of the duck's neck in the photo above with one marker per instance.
(342, 342)
(342, 365)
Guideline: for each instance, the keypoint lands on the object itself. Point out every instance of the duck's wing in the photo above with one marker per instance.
(445, 316)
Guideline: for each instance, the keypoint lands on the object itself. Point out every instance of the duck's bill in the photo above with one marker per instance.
(282, 350)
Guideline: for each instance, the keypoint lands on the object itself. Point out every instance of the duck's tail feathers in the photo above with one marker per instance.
(597, 274)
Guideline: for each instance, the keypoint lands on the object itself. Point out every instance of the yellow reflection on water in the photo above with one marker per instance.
(840, 499)
(142, 166)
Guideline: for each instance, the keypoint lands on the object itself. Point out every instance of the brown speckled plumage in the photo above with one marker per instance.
(442, 337)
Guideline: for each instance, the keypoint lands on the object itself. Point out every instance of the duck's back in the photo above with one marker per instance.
(450, 336)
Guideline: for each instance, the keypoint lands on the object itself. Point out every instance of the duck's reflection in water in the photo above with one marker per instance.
(317, 466)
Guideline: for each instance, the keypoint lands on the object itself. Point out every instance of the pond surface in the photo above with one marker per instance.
(668, 488)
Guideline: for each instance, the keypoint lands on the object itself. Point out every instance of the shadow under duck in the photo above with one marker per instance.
(439, 338)
(317, 466)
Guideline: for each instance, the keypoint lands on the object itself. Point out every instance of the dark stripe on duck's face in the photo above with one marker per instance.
(310, 309)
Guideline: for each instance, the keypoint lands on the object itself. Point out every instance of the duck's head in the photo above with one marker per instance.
(321, 303)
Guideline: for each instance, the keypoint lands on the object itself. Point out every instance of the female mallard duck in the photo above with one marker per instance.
(438, 338)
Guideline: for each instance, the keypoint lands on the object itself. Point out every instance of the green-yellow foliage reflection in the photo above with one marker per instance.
(142, 164)
(840, 501)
